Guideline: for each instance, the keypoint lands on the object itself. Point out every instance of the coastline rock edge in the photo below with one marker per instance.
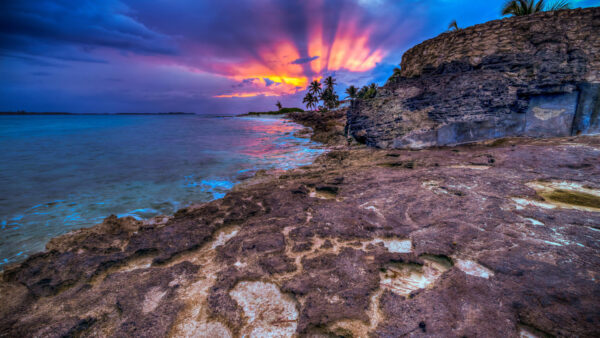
(536, 76)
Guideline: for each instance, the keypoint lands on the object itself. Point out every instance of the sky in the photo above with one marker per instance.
(208, 57)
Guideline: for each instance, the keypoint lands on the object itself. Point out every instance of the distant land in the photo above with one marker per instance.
(34, 113)
(66, 113)
(274, 112)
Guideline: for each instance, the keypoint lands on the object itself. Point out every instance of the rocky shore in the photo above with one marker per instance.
(536, 75)
(498, 238)
(493, 239)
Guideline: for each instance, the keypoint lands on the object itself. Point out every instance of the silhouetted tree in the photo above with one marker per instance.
(315, 88)
(352, 92)
(329, 83)
(368, 92)
(279, 106)
(310, 100)
(330, 98)
(526, 7)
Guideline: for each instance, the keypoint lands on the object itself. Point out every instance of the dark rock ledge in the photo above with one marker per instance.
(536, 75)
(491, 240)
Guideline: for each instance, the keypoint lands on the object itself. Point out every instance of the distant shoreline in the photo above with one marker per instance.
(281, 111)
(66, 113)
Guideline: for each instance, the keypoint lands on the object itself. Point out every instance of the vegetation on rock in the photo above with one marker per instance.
(316, 94)
(352, 92)
(275, 112)
(368, 92)
(526, 7)
(453, 26)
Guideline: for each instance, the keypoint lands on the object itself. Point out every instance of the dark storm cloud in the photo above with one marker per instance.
(241, 28)
(268, 82)
(245, 83)
(304, 60)
(178, 55)
(72, 30)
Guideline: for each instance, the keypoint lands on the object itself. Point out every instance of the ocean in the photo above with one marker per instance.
(64, 172)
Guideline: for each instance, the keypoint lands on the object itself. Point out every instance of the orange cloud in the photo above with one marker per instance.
(253, 94)
(349, 50)
(274, 64)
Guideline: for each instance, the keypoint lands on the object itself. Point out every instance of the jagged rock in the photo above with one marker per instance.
(537, 75)
(472, 241)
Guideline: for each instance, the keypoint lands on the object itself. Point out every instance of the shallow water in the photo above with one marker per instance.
(60, 173)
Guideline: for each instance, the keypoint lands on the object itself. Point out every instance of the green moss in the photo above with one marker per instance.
(574, 198)
(499, 142)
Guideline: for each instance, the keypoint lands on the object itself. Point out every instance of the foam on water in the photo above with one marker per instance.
(60, 173)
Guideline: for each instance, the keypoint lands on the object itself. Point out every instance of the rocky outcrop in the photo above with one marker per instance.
(487, 240)
(324, 127)
(537, 75)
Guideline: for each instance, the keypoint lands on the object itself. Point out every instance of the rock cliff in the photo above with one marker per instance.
(537, 76)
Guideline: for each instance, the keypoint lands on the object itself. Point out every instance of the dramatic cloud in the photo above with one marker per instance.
(225, 56)
(304, 60)
(71, 30)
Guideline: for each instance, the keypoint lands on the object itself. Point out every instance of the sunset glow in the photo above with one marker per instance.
(247, 94)
(223, 57)
(278, 66)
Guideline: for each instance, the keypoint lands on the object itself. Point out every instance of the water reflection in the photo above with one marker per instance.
(65, 172)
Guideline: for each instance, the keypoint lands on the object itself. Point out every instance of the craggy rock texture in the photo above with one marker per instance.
(491, 240)
(324, 127)
(494, 239)
(537, 75)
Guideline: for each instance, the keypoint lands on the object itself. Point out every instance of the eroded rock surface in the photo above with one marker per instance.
(536, 75)
(491, 240)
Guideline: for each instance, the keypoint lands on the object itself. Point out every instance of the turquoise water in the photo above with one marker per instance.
(60, 173)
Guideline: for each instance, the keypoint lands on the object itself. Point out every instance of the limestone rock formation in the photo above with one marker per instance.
(487, 240)
(537, 75)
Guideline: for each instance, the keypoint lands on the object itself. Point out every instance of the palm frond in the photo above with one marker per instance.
(351, 91)
(508, 8)
(539, 7)
(516, 7)
(453, 26)
(557, 5)
(525, 7)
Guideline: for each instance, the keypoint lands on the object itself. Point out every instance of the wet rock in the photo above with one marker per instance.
(395, 252)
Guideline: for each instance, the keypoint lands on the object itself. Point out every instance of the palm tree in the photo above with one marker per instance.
(526, 7)
(368, 92)
(453, 26)
(352, 92)
(330, 98)
(329, 82)
(310, 100)
(279, 106)
(362, 93)
(315, 88)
